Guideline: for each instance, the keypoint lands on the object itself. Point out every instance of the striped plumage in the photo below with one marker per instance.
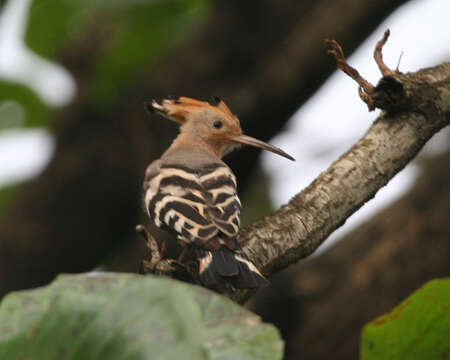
(200, 206)
(196, 203)
(191, 192)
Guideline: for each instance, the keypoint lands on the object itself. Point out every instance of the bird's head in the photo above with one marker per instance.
(211, 123)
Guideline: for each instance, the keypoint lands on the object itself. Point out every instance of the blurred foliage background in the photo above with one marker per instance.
(265, 59)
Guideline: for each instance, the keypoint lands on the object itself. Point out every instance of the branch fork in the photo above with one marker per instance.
(369, 93)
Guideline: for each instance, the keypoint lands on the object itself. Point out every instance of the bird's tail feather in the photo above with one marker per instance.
(249, 276)
(225, 263)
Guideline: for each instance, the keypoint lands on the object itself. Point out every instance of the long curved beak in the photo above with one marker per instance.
(248, 140)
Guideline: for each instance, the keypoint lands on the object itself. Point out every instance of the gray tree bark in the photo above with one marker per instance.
(320, 305)
(418, 106)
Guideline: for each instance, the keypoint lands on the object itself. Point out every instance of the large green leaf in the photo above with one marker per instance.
(124, 316)
(419, 328)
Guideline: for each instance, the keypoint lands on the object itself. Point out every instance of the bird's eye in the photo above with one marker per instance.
(217, 124)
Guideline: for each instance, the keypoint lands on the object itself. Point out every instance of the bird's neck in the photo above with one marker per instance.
(189, 143)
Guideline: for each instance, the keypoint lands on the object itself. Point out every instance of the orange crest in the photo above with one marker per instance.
(180, 109)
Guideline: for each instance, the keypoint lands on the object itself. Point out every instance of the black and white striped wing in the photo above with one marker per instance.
(174, 201)
(196, 204)
(223, 204)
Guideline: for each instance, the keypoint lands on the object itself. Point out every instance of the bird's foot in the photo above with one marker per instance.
(159, 266)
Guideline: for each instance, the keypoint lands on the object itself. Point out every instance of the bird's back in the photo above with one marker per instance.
(193, 195)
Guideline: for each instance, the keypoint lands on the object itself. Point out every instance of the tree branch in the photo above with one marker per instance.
(417, 105)
(365, 274)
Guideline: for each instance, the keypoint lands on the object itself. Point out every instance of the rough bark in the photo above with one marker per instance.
(264, 58)
(320, 305)
(420, 109)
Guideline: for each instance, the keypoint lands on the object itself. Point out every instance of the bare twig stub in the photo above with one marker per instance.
(378, 55)
(365, 89)
(367, 92)
(336, 50)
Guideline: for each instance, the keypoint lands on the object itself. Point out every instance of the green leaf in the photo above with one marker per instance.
(419, 328)
(125, 316)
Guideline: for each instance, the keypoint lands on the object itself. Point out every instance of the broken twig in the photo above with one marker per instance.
(378, 55)
(367, 92)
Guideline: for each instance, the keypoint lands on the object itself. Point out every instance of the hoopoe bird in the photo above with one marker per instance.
(191, 192)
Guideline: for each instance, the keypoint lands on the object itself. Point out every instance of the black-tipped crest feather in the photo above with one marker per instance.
(215, 100)
(148, 105)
